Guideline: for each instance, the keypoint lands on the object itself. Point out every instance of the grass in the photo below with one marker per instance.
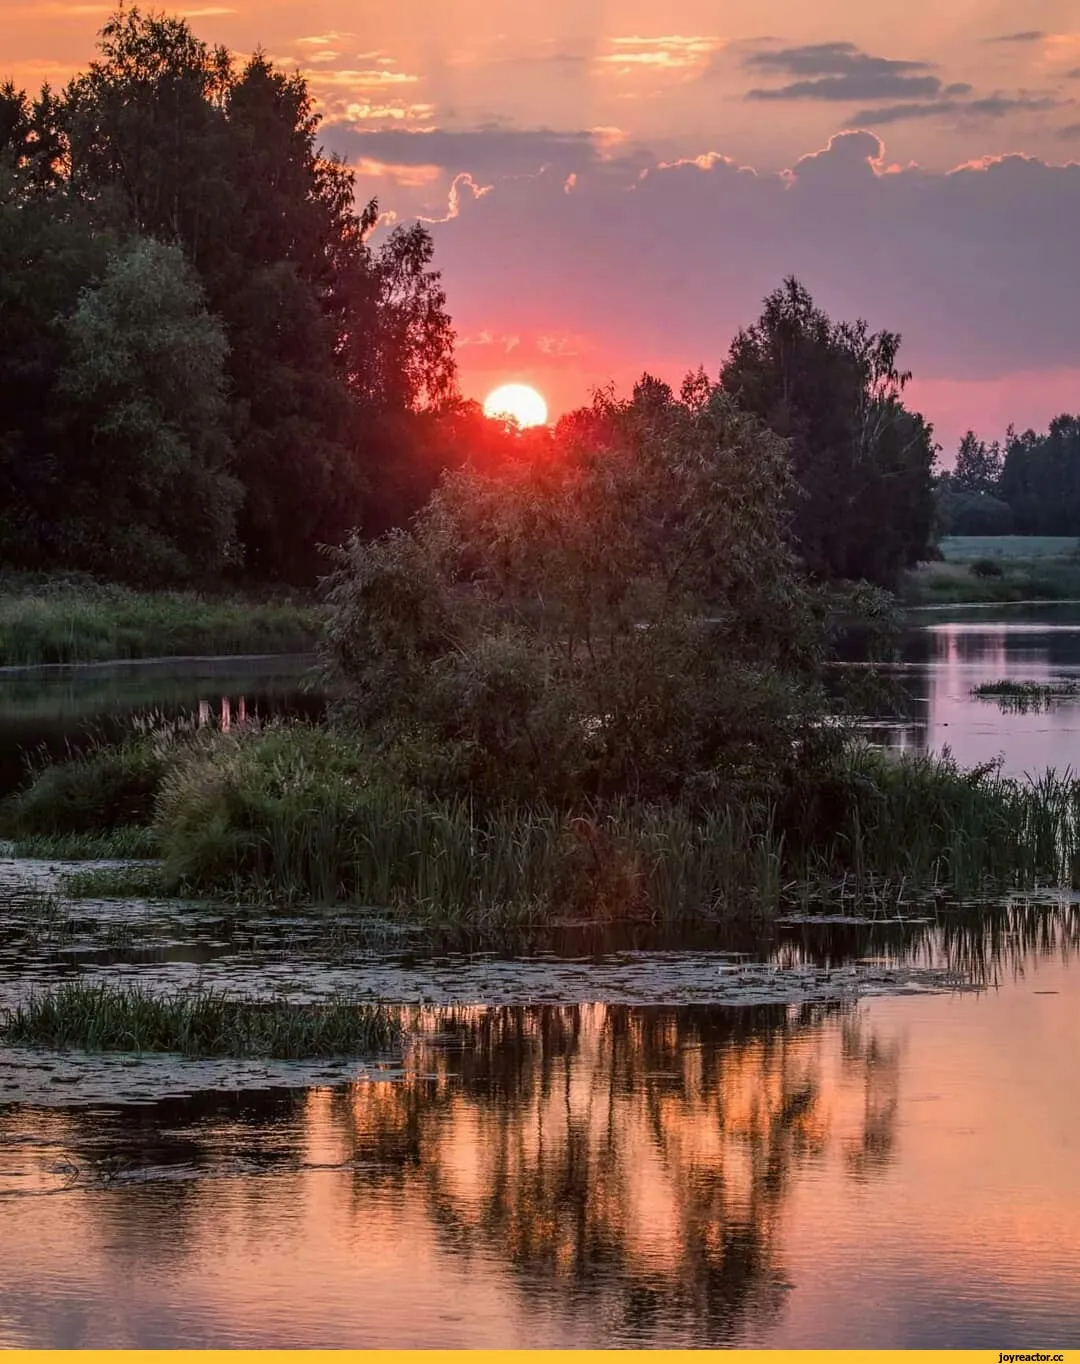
(128, 842)
(206, 1024)
(64, 621)
(297, 813)
(1039, 691)
(987, 569)
(261, 814)
(1024, 697)
(967, 548)
(115, 883)
(1021, 580)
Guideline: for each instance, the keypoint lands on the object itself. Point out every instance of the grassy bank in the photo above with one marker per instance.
(295, 813)
(979, 569)
(66, 621)
(127, 1018)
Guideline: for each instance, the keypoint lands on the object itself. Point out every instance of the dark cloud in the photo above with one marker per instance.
(859, 85)
(1028, 35)
(975, 267)
(492, 150)
(991, 106)
(840, 71)
(1070, 131)
(828, 59)
(1073, 75)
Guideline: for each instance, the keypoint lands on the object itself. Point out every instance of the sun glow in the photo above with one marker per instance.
(519, 402)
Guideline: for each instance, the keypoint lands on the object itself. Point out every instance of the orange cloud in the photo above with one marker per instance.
(408, 177)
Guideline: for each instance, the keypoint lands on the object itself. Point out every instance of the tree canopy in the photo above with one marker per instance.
(862, 461)
(326, 336)
(623, 618)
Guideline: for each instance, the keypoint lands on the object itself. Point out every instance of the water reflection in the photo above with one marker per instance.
(943, 660)
(582, 1175)
(592, 1174)
(56, 709)
(632, 1163)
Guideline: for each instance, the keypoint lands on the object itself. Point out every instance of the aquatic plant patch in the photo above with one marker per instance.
(107, 1017)
(128, 842)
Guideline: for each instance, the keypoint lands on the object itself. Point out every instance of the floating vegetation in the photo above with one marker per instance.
(114, 882)
(1021, 697)
(104, 1017)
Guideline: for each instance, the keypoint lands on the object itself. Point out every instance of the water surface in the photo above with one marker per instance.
(807, 1134)
(897, 1173)
(945, 655)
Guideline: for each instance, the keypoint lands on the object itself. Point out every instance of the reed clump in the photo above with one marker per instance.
(260, 811)
(294, 812)
(104, 1017)
(124, 843)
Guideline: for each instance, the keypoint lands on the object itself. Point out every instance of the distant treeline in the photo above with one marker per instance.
(1030, 485)
(209, 367)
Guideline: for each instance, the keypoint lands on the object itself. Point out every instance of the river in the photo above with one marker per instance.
(618, 1141)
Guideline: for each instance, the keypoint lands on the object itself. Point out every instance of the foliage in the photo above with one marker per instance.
(986, 568)
(163, 139)
(84, 621)
(863, 462)
(978, 466)
(144, 385)
(1040, 478)
(624, 618)
(93, 792)
(105, 1017)
(972, 513)
(48, 253)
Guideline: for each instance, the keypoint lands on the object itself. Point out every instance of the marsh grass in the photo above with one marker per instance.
(128, 842)
(78, 621)
(103, 785)
(294, 814)
(127, 1018)
(1023, 697)
(1020, 580)
(268, 818)
(115, 883)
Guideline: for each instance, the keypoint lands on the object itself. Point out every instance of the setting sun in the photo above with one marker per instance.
(519, 402)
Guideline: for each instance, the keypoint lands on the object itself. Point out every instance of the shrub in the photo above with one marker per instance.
(986, 568)
(622, 619)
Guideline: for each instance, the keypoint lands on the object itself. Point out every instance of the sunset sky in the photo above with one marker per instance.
(615, 187)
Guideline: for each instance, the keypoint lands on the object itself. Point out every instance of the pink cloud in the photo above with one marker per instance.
(975, 267)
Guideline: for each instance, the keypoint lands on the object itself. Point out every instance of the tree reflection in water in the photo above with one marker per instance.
(639, 1159)
(632, 1165)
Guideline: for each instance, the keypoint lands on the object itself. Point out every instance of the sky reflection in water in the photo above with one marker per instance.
(901, 1172)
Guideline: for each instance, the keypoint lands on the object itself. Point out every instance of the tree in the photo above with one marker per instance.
(146, 468)
(978, 466)
(862, 462)
(1040, 478)
(48, 253)
(327, 335)
(624, 618)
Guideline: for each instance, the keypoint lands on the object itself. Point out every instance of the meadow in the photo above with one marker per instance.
(997, 568)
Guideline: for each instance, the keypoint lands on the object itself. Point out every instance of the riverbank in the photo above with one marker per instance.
(1002, 569)
(298, 813)
(44, 621)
